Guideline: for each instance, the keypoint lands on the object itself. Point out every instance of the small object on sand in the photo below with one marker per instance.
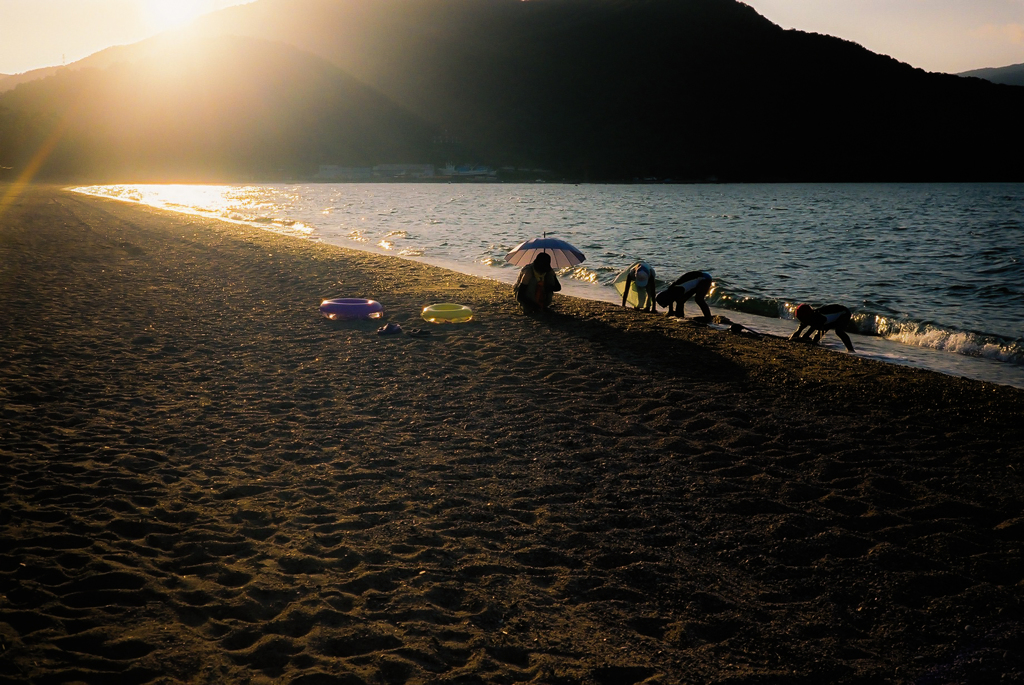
(417, 332)
(351, 308)
(743, 330)
(447, 313)
(389, 329)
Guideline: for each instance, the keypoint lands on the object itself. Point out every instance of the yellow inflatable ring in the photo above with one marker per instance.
(447, 313)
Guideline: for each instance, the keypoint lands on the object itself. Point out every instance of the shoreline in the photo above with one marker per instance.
(204, 480)
(987, 363)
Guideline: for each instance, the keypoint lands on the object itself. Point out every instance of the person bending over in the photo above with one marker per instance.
(833, 317)
(537, 284)
(695, 284)
(642, 274)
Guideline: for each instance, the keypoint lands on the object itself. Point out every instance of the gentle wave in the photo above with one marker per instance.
(749, 304)
(929, 266)
(863, 322)
(932, 336)
(917, 333)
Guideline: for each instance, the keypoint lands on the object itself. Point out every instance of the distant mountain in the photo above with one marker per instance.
(198, 108)
(100, 60)
(639, 88)
(593, 89)
(9, 81)
(1011, 76)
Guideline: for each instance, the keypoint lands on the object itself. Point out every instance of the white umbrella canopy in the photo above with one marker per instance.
(562, 253)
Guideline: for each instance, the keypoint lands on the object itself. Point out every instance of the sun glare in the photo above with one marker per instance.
(163, 15)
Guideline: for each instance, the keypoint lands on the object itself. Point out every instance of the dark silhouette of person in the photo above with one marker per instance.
(642, 274)
(537, 283)
(695, 284)
(832, 317)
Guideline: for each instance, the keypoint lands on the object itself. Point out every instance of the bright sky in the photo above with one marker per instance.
(46, 33)
(935, 35)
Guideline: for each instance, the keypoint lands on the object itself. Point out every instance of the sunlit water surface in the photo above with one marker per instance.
(934, 273)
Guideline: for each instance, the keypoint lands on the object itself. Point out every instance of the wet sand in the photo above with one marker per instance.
(204, 481)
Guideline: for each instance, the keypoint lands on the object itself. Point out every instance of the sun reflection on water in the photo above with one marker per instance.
(238, 204)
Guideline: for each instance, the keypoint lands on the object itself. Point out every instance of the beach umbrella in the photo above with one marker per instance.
(562, 253)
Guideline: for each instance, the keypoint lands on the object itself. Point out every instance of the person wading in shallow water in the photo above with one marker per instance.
(537, 284)
(818, 321)
(695, 284)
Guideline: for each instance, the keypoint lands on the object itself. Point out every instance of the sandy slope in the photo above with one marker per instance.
(204, 481)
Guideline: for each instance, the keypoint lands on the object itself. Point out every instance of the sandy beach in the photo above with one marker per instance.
(205, 481)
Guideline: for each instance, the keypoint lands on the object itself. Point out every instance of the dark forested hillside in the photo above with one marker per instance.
(205, 109)
(593, 89)
(666, 88)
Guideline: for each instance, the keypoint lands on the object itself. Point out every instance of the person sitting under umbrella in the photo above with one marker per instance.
(537, 283)
(695, 284)
(817, 321)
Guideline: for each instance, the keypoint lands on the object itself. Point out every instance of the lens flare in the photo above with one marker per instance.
(164, 15)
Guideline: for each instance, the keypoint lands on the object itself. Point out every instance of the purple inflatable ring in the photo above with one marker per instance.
(351, 308)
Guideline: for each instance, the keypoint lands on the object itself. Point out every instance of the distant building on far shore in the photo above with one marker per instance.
(388, 172)
(468, 172)
(333, 172)
(406, 172)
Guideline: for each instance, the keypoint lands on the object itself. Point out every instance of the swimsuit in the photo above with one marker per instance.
(832, 318)
(695, 279)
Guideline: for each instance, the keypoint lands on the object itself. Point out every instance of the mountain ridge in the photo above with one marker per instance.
(623, 89)
(1010, 75)
(209, 109)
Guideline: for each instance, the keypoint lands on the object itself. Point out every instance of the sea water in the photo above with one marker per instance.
(934, 273)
